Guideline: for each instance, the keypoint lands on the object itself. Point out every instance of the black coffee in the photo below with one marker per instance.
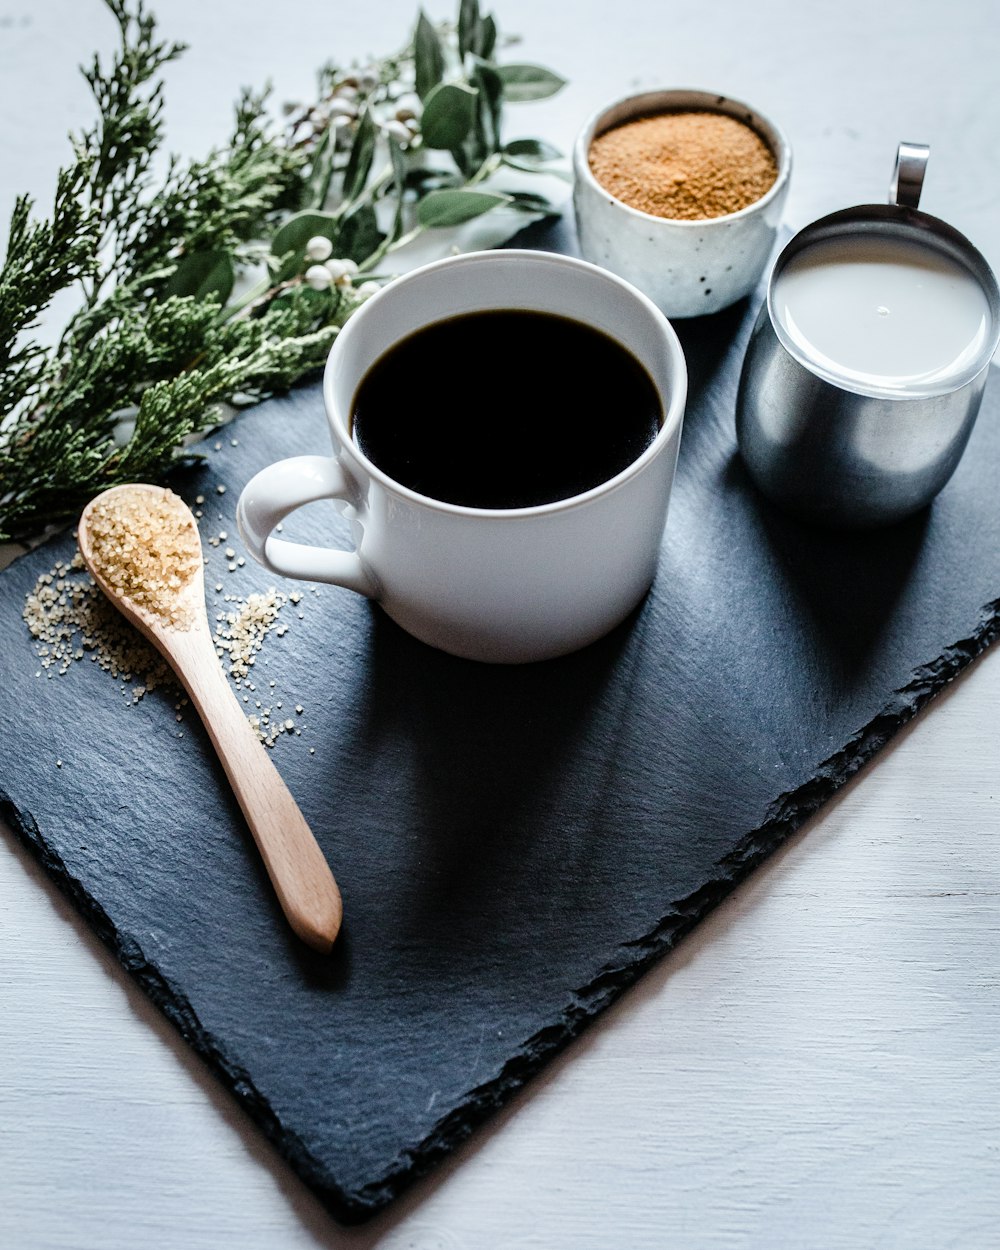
(505, 409)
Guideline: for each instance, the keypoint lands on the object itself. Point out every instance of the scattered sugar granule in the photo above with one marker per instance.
(244, 631)
(240, 637)
(78, 620)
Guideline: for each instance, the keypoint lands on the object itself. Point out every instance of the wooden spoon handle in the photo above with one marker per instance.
(298, 870)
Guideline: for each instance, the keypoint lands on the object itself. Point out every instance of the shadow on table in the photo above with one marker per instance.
(848, 585)
(490, 761)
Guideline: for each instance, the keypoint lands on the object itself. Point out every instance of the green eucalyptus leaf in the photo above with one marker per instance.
(452, 208)
(428, 56)
(489, 115)
(290, 241)
(359, 163)
(400, 167)
(531, 151)
(399, 172)
(527, 167)
(359, 234)
(321, 169)
(529, 82)
(449, 114)
(422, 180)
(465, 162)
(204, 275)
(468, 26)
(487, 37)
(531, 202)
(300, 228)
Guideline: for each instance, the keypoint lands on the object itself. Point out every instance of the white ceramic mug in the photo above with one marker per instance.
(508, 585)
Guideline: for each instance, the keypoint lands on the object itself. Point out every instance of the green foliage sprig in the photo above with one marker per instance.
(227, 279)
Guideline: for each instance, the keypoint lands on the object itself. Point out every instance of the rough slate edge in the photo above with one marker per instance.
(788, 812)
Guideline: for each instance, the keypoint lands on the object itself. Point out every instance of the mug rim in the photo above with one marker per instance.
(913, 223)
(673, 403)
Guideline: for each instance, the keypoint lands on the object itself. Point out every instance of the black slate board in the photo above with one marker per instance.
(514, 846)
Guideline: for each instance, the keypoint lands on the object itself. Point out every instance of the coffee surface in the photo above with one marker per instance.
(505, 409)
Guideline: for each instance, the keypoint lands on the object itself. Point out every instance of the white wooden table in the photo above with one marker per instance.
(819, 1064)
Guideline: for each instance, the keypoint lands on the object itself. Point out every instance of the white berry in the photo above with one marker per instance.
(319, 248)
(340, 269)
(399, 132)
(342, 108)
(318, 277)
(367, 289)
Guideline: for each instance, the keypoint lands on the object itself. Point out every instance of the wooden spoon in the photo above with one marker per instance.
(299, 873)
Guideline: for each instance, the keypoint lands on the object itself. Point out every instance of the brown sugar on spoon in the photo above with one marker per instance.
(687, 166)
(148, 549)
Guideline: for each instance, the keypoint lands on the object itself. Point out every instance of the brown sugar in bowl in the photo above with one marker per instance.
(727, 182)
(685, 166)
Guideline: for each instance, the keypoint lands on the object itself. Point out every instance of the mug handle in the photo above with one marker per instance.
(278, 490)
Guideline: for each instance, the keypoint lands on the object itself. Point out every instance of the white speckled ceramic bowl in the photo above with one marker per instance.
(688, 268)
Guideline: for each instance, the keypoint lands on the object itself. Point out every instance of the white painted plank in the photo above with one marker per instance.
(818, 1064)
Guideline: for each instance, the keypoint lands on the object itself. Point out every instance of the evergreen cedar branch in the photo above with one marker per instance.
(159, 337)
